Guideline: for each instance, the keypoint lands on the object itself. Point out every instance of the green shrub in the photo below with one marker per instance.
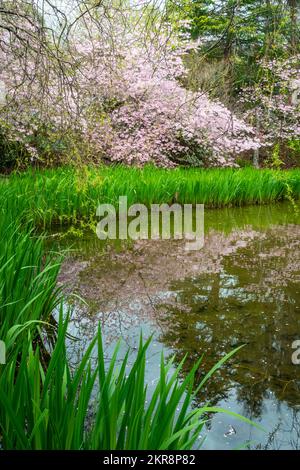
(11, 153)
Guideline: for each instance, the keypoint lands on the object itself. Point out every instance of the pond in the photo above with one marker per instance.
(241, 288)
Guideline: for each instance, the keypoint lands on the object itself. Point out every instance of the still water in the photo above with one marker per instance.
(242, 287)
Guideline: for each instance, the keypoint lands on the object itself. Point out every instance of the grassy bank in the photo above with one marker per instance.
(68, 195)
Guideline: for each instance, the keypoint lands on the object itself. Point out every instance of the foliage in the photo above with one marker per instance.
(294, 146)
(158, 85)
(122, 96)
(275, 161)
(54, 409)
(248, 49)
(10, 153)
(242, 32)
(28, 279)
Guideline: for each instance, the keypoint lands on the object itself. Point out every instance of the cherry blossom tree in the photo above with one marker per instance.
(105, 85)
(139, 111)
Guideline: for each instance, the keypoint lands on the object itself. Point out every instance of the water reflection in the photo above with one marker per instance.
(254, 299)
(241, 288)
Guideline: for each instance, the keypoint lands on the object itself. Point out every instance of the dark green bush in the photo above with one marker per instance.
(11, 153)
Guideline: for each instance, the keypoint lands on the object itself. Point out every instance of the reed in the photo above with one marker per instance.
(67, 195)
(28, 280)
(55, 409)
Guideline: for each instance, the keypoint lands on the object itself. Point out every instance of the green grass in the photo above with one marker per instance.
(66, 195)
(28, 280)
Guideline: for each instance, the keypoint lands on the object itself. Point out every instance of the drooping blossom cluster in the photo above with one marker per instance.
(151, 117)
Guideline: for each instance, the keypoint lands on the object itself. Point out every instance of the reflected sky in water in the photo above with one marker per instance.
(241, 288)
